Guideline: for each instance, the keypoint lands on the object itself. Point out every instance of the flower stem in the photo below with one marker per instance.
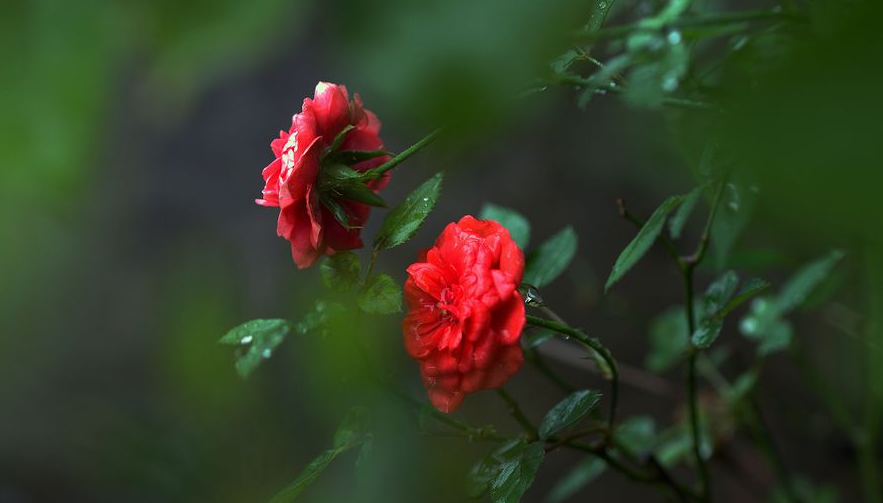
(413, 149)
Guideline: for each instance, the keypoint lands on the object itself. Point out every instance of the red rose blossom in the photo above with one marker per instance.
(465, 315)
(292, 179)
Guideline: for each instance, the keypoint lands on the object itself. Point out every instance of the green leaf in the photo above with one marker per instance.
(405, 219)
(551, 258)
(359, 192)
(719, 292)
(643, 241)
(568, 412)
(382, 296)
(341, 271)
(513, 221)
(582, 474)
(680, 217)
(668, 339)
(798, 288)
(516, 471)
(351, 433)
(707, 332)
(257, 340)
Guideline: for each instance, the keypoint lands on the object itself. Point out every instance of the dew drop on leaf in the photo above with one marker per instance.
(246, 340)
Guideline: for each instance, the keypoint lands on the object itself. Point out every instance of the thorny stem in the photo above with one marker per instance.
(518, 414)
(593, 345)
(408, 152)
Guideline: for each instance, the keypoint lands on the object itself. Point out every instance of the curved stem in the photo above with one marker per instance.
(593, 345)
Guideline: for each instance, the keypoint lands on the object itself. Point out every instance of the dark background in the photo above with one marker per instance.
(133, 135)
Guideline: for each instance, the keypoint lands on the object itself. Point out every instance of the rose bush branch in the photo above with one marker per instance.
(593, 345)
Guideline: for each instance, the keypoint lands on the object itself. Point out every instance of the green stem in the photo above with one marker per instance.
(689, 264)
(592, 344)
(517, 413)
(413, 149)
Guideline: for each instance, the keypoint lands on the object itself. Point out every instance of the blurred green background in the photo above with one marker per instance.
(132, 137)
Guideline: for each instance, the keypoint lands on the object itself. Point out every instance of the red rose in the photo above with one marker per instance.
(292, 179)
(465, 315)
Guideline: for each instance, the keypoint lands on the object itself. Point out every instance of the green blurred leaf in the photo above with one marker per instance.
(341, 271)
(514, 222)
(682, 215)
(351, 433)
(749, 289)
(257, 340)
(551, 258)
(353, 428)
(568, 412)
(319, 317)
(798, 288)
(719, 292)
(637, 434)
(668, 339)
(707, 333)
(405, 219)
(382, 296)
(580, 475)
(516, 471)
(643, 241)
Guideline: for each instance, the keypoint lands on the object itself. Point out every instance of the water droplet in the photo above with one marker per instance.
(602, 5)
(425, 199)
(674, 37)
(532, 298)
(246, 340)
(613, 85)
(267, 353)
